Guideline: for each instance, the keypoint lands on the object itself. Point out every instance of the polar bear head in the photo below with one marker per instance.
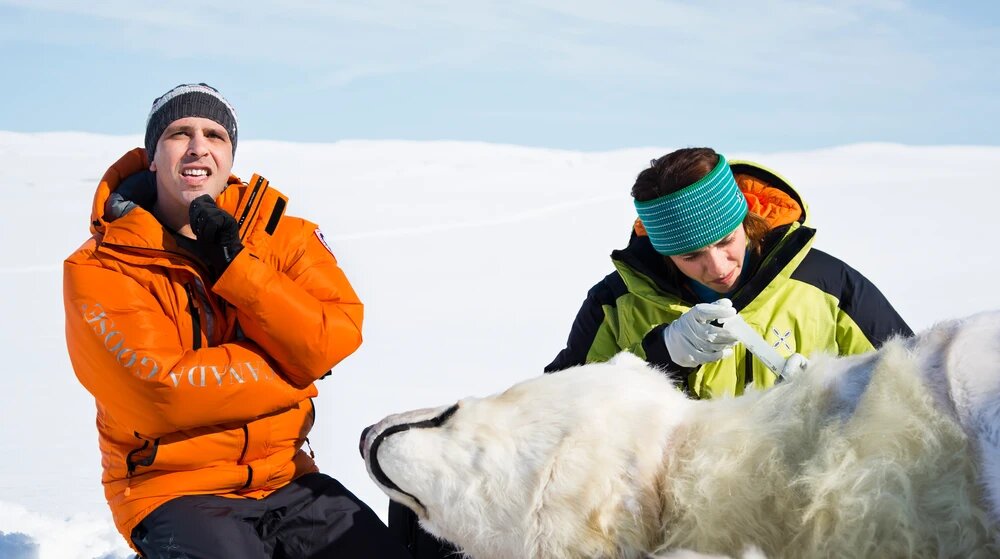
(561, 465)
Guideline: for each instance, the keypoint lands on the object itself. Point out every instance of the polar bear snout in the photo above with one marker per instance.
(361, 443)
(390, 450)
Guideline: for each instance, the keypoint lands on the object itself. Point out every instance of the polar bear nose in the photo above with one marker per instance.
(364, 435)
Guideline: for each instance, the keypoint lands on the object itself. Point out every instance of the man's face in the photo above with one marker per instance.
(194, 156)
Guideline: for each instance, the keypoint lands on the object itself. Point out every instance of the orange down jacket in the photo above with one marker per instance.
(201, 388)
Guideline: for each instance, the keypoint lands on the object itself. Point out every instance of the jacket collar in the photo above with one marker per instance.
(103, 213)
(645, 274)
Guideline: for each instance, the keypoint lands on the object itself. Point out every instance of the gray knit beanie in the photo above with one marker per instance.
(186, 100)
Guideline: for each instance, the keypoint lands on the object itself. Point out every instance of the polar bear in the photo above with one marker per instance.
(895, 453)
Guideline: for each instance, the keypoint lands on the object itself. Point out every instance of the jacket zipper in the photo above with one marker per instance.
(748, 368)
(195, 317)
(257, 190)
(204, 296)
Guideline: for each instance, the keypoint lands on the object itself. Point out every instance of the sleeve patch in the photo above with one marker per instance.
(322, 239)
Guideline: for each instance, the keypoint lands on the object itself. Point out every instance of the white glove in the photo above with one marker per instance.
(795, 364)
(692, 340)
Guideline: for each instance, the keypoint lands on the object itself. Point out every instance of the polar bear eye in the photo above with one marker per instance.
(435, 421)
(445, 416)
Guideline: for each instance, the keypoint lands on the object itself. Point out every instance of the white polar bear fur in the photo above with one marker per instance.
(895, 453)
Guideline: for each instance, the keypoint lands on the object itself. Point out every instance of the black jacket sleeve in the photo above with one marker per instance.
(588, 320)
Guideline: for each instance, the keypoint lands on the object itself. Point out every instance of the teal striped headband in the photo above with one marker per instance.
(695, 216)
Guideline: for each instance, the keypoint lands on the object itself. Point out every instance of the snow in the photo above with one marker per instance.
(472, 260)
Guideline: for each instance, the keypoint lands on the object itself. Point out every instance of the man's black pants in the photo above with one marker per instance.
(404, 526)
(313, 517)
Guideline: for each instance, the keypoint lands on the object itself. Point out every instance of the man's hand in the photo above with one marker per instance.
(217, 234)
(693, 340)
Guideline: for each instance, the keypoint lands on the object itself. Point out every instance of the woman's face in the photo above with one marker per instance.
(718, 265)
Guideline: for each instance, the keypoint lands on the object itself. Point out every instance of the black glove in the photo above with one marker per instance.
(218, 235)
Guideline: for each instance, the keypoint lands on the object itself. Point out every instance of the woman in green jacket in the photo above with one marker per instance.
(713, 239)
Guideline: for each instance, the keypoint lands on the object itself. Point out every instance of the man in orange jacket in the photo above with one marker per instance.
(199, 316)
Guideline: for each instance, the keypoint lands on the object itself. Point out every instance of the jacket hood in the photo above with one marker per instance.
(769, 194)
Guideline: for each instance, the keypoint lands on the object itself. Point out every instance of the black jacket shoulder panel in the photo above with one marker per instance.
(588, 321)
(823, 271)
(856, 295)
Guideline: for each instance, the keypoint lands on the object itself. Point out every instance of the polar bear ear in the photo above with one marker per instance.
(626, 358)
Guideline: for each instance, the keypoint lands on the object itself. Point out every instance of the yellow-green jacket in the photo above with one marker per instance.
(799, 298)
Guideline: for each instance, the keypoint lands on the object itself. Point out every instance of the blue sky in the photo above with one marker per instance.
(574, 74)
